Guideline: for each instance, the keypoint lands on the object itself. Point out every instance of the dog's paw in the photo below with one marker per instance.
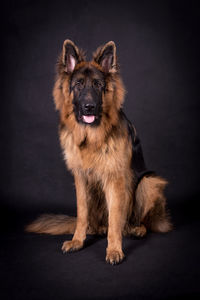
(139, 231)
(114, 257)
(70, 246)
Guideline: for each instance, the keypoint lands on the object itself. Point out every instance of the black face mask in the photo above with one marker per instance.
(88, 84)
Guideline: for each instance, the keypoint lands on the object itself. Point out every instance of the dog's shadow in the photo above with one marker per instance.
(131, 243)
(93, 239)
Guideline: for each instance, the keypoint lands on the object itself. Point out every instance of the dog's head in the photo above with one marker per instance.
(87, 89)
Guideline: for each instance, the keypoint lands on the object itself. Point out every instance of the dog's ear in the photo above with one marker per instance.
(105, 56)
(71, 56)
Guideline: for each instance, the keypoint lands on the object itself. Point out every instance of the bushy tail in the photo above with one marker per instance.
(53, 224)
(150, 207)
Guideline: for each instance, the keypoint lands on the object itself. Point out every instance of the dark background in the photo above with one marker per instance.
(158, 50)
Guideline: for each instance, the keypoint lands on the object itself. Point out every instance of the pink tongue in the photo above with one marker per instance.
(88, 119)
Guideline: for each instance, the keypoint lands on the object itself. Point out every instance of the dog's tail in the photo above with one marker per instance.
(150, 206)
(53, 224)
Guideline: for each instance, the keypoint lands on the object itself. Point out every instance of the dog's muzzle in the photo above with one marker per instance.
(89, 115)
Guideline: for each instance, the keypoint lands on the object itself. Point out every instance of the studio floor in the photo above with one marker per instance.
(159, 266)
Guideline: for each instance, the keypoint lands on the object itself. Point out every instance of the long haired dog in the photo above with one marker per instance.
(116, 194)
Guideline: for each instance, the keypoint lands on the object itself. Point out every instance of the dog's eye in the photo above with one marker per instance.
(97, 83)
(79, 82)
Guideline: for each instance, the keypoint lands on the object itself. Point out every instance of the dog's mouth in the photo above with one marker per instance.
(89, 119)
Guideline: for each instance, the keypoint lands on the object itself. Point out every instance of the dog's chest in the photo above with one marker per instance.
(108, 158)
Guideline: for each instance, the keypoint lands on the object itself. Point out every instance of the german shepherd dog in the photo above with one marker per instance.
(116, 194)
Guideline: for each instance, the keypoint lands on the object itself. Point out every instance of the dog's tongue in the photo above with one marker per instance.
(88, 119)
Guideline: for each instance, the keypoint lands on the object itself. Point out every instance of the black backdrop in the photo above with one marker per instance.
(158, 50)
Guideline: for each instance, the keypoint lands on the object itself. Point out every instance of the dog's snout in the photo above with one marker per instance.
(89, 107)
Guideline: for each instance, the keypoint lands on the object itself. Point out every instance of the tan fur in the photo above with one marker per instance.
(100, 160)
(150, 204)
(53, 224)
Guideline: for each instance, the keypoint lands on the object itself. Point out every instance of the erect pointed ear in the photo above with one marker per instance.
(71, 56)
(105, 56)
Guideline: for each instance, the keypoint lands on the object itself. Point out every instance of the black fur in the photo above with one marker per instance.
(137, 164)
(88, 84)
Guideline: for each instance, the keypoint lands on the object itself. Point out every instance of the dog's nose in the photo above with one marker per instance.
(89, 107)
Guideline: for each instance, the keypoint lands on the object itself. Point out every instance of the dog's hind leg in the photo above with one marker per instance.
(150, 210)
(138, 231)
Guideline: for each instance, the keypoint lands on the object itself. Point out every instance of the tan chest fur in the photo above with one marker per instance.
(110, 158)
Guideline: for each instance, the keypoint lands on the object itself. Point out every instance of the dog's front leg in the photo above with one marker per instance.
(82, 216)
(117, 201)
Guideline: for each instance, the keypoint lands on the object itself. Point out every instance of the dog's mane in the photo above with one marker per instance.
(113, 99)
